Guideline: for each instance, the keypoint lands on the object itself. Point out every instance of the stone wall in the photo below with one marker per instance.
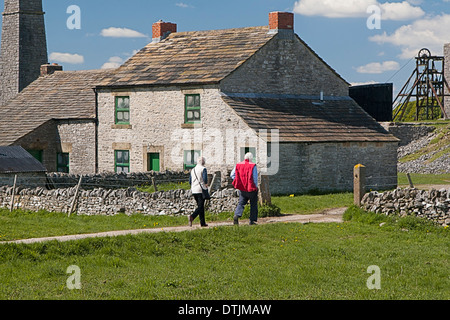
(101, 201)
(113, 180)
(329, 166)
(407, 132)
(433, 205)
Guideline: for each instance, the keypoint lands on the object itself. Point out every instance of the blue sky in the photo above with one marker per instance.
(111, 31)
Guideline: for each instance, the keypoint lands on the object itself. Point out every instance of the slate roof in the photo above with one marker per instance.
(197, 57)
(61, 95)
(309, 120)
(15, 159)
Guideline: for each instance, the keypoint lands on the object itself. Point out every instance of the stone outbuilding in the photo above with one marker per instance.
(15, 161)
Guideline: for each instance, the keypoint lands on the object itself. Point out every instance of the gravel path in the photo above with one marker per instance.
(327, 216)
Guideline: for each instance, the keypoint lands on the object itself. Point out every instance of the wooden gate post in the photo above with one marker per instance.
(359, 183)
(264, 191)
(13, 193)
(74, 200)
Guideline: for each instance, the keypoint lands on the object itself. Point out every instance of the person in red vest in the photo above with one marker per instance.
(245, 179)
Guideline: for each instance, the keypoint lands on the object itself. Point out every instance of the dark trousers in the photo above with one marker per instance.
(244, 197)
(200, 211)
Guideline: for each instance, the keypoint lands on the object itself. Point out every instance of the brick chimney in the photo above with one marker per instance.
(282, 23)
(161, 30)
(47, 69)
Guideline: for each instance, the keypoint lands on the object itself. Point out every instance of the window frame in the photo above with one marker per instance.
(193, 109)
(121, 164)
(60, 165)
(117, 109)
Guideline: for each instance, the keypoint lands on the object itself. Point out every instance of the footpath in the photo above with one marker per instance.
(327, 216)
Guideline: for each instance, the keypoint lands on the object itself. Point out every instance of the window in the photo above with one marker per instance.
(62, 164)
(122, 110)
(190, 158)
(122, 161)
(245, 150)
(192, 108)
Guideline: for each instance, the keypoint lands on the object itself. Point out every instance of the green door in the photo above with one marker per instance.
(153, 162)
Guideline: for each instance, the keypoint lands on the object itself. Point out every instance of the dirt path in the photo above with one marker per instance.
(330, 215)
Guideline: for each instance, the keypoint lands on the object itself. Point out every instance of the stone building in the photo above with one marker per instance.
(219, 94)
(222, 93)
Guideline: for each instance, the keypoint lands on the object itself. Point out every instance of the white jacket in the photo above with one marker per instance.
(196, 179)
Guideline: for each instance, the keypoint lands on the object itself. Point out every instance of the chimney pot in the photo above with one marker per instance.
(47, 69)
(161, 30)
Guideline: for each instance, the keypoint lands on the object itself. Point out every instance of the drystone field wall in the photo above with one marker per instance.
(433, 204)
(100, 201)
(111, 180)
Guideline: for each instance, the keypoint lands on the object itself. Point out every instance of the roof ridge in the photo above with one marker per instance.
(217, 30)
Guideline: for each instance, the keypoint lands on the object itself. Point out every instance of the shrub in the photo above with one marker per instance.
(263, 211)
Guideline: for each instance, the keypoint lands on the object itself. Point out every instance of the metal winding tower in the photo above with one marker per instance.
(428, 89)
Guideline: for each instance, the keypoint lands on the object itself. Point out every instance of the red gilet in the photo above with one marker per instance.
(244, 176)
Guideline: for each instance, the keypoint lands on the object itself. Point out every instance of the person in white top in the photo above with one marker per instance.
(199, 180)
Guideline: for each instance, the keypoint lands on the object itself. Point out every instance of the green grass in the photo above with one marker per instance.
(275, 261)
(308, 204)
(421, 179)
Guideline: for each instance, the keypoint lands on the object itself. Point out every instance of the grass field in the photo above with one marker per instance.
(276, 261)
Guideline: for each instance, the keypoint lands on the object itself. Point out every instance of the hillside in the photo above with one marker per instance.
(429, 154)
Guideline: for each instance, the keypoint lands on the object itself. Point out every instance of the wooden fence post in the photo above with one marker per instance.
(154, 184)
(359, 183)
(74, 200)
(11, 208)
(411, 185)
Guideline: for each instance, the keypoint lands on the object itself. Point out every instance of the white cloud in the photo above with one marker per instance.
(357, 8)
(430, 32)
(66, 58)
(121, 33)
(183, 5)
(378, 67)
(113, 63)
(116, 61)
(363, 83)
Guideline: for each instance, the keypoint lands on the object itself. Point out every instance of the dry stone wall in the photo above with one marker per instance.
(100, 201)
(433, 205)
